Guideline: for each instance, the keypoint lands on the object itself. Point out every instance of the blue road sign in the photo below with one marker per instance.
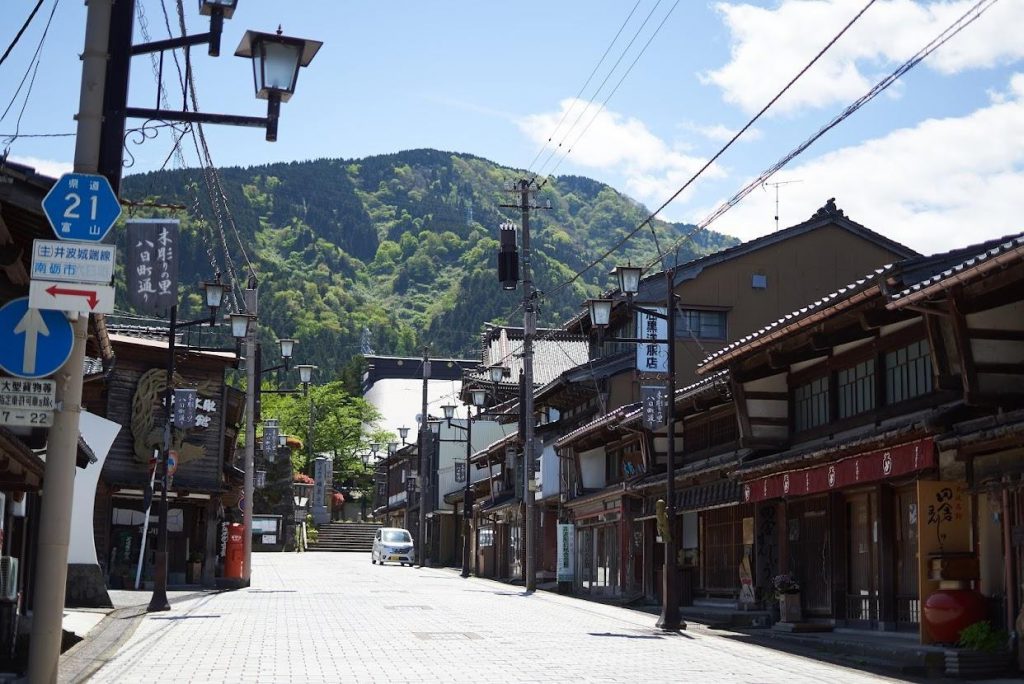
(81, 206)
(33, 343)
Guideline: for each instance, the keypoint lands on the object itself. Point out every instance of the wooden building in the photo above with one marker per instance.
(722, 297)
(204, 490)
(868, 415)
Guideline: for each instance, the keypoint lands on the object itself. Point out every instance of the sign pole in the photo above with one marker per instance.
(62, 444)
(145, 523)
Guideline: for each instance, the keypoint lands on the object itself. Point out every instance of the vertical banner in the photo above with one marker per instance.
(943, 526)
(654, 400)
(152, 265)
(652, 357)
(184, 403)
(566, 552)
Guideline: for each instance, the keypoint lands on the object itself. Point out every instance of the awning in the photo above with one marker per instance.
(710, 495)
(863, 468)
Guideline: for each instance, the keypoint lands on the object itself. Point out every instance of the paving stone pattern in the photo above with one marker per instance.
(335, 617)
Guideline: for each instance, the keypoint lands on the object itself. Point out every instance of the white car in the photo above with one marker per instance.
(393, 544)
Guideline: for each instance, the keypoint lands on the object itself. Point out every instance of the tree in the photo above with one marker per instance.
(343, 425)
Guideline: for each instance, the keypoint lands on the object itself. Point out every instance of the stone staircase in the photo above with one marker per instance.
(341, 536)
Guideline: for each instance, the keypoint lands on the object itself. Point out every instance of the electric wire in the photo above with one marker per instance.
(714, 157)
(33, 67)
(614, 90)
(17, 36)
(593, 97)
(579, 94)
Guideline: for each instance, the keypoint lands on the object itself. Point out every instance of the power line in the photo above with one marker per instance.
(593, 97)
(584, 86)
(710, 161)
(33, 67)
(965, 20)
(615, 89)
(17, 36)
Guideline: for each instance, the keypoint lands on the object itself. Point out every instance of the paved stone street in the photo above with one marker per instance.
(335, 617)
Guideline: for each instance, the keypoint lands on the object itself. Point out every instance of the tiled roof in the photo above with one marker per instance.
(631, 413)
(554, 352)
(923, 273)
(822, 307)
(935, 271)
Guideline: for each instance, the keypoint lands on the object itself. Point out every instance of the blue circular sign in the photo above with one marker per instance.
(33, 343)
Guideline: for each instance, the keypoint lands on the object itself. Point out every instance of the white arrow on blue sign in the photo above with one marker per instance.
(81, 206)
(33, 343)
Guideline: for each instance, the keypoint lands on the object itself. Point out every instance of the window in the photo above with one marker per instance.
(810, 404)
(856, 387)
(485, 536)
(908, 372)
(613, 466)
(704, 325)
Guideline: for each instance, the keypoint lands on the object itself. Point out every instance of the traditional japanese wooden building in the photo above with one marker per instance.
(868, 414)
(205, 488)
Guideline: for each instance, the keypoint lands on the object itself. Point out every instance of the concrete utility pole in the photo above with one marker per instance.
(62, 441)
(424, 453)
(252, 386)
(529, 332)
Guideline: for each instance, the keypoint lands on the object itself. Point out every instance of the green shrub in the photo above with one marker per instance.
(981, 636)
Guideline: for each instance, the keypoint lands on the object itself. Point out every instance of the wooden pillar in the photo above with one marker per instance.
(886, 523)
(837, 548)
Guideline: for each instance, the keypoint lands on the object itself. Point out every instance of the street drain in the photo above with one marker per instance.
(408, 608)
(447, 636)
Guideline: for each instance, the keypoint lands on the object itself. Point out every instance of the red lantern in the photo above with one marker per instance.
(949, 611)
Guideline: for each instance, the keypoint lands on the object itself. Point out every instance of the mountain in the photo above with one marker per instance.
(399, 250)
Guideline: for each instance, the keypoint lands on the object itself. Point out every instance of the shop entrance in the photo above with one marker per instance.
(809, 553)
(862, 564)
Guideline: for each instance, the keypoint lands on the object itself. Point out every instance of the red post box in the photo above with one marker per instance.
(234, 557)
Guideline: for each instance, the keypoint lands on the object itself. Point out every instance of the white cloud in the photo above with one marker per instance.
(769, 47)
(652, 167)
(942, 184)
(47, 167)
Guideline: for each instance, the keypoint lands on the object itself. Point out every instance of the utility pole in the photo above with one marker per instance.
(252, 387)
(525, 187)
(669, 620)
(424, 438)
(62, 441)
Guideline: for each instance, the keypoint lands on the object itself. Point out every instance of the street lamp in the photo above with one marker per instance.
(287, 348)
(305, 375)
(600, 316)
(276, 60)
(403, 432)
(214, 294)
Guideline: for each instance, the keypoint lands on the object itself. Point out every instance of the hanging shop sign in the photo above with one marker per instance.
(845, 472)
(152, 269)
(652, 357)
(566, 552)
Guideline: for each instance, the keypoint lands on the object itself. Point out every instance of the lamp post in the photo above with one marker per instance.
(600, 316)
(276, 60)
(214, 295)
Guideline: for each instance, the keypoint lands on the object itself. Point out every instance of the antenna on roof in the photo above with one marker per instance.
(776, 186)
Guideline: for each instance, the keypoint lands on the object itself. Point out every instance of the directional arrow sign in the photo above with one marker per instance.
(33, 344)
(81, 206)
(84, 298)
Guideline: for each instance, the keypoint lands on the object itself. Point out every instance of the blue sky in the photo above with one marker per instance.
(936, 162)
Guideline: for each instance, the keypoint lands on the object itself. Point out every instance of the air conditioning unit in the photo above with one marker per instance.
(8, 578)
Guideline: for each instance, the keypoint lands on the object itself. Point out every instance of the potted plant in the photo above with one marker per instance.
(195, 567)
(787, 590)
(982, 652)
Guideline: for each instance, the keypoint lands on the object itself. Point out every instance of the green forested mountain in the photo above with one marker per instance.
(402, 245)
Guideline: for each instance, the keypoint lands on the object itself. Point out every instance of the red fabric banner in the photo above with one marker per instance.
(846, 472)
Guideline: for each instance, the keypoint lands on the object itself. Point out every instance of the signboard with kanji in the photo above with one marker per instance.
(26, 402)
(654, 399)
(152, 268)
(650, 356)
(460, 472)
(184, 404)
(81, 206)
(72, 263)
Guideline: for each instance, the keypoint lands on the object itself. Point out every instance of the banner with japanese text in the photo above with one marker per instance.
(152, 265)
